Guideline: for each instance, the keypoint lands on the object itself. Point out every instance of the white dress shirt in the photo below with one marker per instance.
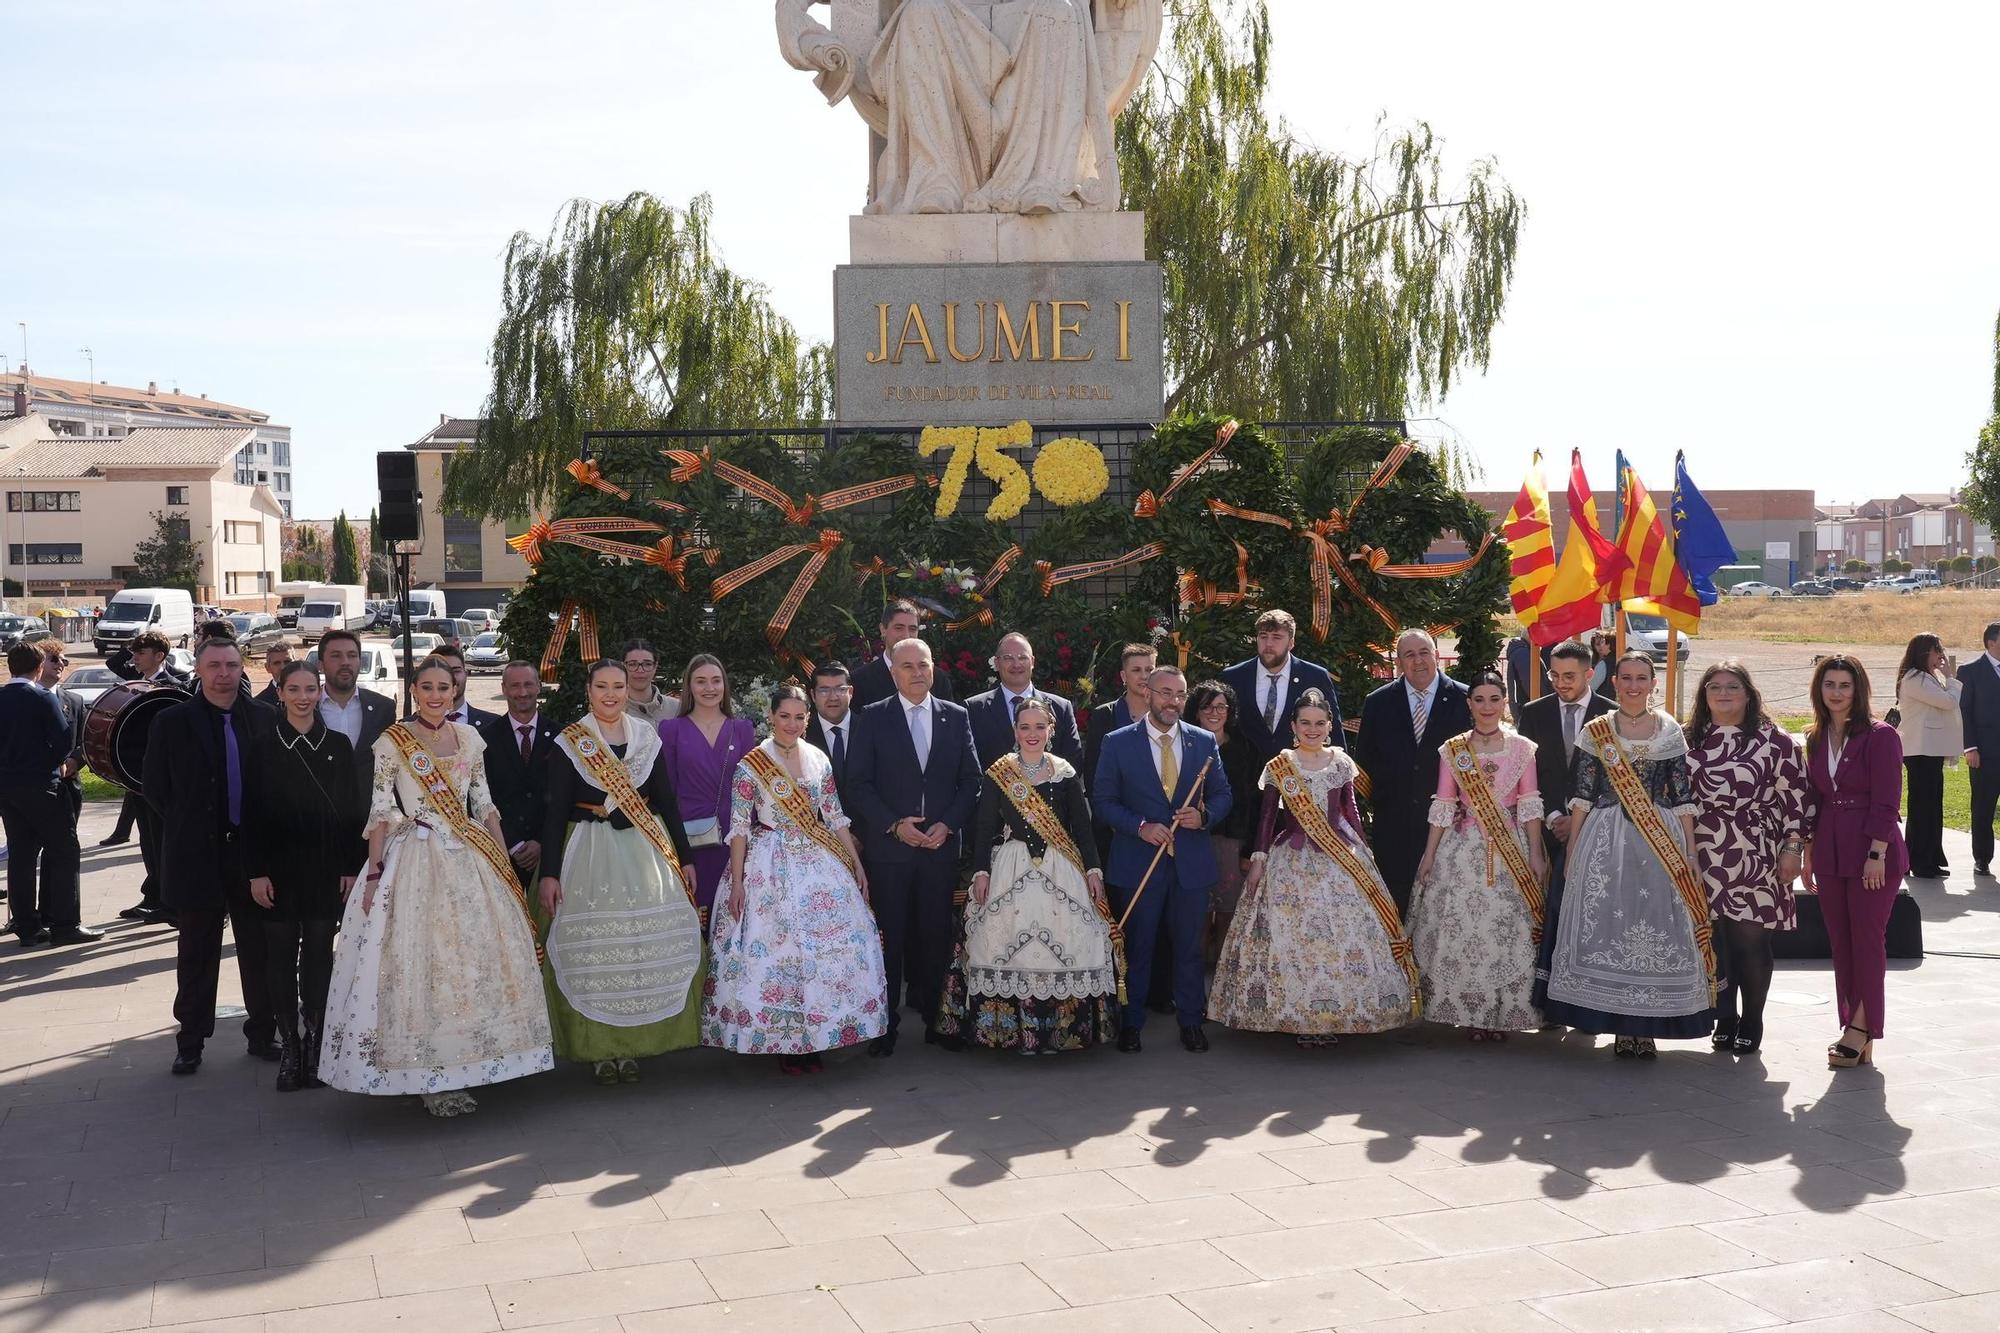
(1264, 685)
(842, 728)
(1153, 735)
(344, 718)
(1430, 697)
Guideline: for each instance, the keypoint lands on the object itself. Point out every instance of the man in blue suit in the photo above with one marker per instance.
(911, 785)
(1269, 686)
(1144, 776)
(993, 712)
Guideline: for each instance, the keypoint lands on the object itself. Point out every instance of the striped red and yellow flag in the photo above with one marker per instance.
(1591, 563)
(1531, 544)
(1653, 583)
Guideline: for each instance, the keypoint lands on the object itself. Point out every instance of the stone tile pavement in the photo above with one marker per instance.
(1412, 1182)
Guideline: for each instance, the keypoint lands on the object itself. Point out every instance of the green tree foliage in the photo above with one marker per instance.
(625, 317)
(1981, 496)
(346, 551)
(1303, 284)
(170, 558)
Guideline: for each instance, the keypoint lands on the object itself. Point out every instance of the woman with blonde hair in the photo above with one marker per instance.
(700, 749)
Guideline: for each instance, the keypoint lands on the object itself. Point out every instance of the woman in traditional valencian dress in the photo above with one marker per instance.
(624, 972)
(1749, 783)
(1633, 955)
(435, 985)
(1476, 914)
(796, 960)
(1316, 948)
(1036, 972)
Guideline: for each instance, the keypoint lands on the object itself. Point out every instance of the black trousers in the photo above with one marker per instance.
(1985, 795)
(298, 956)
(198, 967)
(1923, 824)
(913, 906)
(149, 855)
(1401, 830)
(42, 858)
(128, 814)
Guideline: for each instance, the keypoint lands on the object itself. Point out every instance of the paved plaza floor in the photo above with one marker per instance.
(1406, 1182)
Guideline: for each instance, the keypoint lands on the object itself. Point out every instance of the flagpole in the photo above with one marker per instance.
(1674, 669)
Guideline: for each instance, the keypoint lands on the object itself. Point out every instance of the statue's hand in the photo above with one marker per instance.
(823, 50)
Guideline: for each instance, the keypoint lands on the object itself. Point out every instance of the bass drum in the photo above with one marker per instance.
(115, 729)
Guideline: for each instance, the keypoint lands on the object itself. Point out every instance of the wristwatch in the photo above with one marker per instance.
(1874, 856)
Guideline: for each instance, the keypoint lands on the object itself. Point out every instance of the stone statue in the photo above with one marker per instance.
(981, 106)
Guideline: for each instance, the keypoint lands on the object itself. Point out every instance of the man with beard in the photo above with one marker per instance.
(1269, 686)
(360, 715)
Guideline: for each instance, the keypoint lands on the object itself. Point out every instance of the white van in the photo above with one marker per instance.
(427, 602)
(334, 606)
(168, 610)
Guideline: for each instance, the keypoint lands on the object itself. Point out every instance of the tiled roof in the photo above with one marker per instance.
(43, 389)
(153, 446)
(450, 433)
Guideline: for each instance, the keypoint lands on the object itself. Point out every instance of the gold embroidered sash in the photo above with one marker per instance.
(608, 771)
(1652, 826)
(789, 795)
(1013, 782)
(1311, 817)
(450, 807)
(1485, 806)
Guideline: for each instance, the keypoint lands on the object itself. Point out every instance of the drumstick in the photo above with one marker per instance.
(1161, 850)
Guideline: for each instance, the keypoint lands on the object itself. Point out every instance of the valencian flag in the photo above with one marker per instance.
(1531, 543)
(1653, 582)
(1700, 544)
(1590, 564)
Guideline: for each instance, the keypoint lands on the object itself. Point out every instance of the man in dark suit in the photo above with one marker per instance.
(1521, 653)
(277, 657)
(993, 712)
(146, 660)
(1145, 775)
(1268, 687)
(517, 760)
(831, 727)
(1979, 707)
(359, 714)
(873, 681)
(1135, 669)
(453, 656)
(54, 660)
(194, 783)
(1553, 722)
(912, 783)
(42, 858)
(1404, 726)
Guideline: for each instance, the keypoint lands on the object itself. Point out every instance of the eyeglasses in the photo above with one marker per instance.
(1017, 657)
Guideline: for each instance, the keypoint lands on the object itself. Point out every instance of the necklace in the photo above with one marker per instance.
(782, 747)
(1040, 765)
(428, 725)
(1477, 732)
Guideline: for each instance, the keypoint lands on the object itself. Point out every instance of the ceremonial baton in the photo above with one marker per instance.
(1172, 832)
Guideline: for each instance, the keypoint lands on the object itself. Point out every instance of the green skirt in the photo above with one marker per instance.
(626, 964)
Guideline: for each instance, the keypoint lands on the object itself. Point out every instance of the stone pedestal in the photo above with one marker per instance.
(995, 238)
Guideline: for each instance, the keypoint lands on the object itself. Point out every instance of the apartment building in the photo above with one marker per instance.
(467, 557)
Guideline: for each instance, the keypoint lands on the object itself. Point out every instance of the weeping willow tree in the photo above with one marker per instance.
(1981, 496)
(626, 318)
(1301, 284)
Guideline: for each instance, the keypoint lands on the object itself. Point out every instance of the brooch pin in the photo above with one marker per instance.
(1018, 790)
(781, 788)
(1291, 786)
(1463, 761)
(420, 763)
(587, 746)
(1611, 757)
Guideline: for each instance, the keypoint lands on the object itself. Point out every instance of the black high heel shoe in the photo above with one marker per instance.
(1749, 1037)
(1725, 1033)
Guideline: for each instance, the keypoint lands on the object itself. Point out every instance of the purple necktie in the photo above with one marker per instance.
(232, 764)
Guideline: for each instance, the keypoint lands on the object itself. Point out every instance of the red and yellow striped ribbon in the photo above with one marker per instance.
(579, 532)
(1049, 577)
(586, 472)
(1198, 593)
(662, 554)
(585, 620)
(781, 618)
(1148, 505)
(994, 573)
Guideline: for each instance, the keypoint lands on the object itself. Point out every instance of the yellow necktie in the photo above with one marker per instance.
(1170, 766)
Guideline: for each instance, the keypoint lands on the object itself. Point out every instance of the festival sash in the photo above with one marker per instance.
(1652, 826)
(608, 771)
(450, 807)
(1312, 819)
(789, 796)
(1007, 772)
(1478, 793)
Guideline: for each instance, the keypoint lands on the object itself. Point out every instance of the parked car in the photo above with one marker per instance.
(1649, 635)
(1756, 589)
(21, 629)
(1812, 588)
(86, 683)
(181, 660)
(1842, 583)
(1907, 584)
(487, 653)
(420, 645)
(378, 663)
(256, 631)
(449, 629)
(481, 618)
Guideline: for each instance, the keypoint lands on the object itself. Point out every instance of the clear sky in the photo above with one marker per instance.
(1768, 234)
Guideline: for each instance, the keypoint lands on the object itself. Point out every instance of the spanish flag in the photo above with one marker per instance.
(1653, 583)
(1590, 565)
(1532, 545)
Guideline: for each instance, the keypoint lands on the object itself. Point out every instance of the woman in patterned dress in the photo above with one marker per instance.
(1470, 921)
(795, 958)
(624, 974)
(1749, 784)
(1306, 952)
(1035, 972)
(1627, 960)
(435, 986)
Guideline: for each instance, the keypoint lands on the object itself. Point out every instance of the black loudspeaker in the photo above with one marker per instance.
(401, 515)
(1905, 936)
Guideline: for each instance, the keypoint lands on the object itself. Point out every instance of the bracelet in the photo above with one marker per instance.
(372, 878)
(1260, 856)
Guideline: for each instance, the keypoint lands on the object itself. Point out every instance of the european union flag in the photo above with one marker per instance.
(1700, 545)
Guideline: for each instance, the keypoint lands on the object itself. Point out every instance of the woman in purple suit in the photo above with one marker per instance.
(1855, 860)
(700, 749)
